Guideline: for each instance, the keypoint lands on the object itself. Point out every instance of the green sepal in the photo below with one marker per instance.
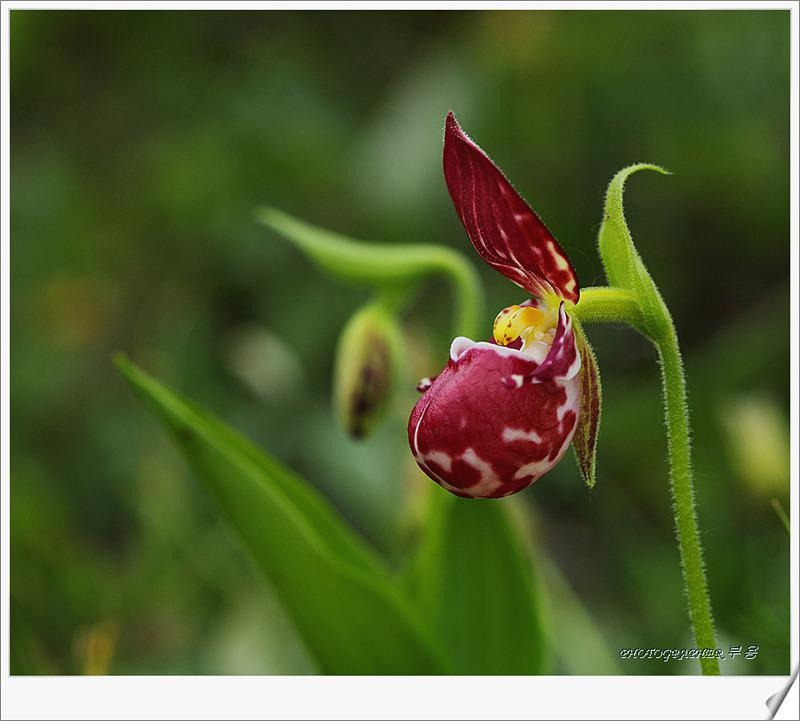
(621, 260)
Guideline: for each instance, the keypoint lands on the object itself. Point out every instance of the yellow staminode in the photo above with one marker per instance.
(526, 322)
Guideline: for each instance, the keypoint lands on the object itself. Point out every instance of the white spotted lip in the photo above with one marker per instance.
(494, 420)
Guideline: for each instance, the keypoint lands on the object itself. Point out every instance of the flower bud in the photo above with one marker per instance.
(365, 373)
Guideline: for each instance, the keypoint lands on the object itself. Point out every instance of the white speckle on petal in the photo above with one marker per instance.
(572, 401)
(561, 261)
(532, 470)
(518, 434)
(440, 458)
(574, 368)
(488, 481)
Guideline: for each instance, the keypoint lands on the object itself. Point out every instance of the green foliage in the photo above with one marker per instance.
(473, 579)
(471, 605)
(345, 605)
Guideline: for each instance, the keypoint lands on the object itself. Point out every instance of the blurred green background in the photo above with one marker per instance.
(141, 142)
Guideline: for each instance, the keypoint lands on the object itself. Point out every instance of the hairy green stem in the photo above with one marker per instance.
(673, 385)
(608, 305)
(617, 305)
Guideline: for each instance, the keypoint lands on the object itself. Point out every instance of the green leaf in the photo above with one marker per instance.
(399, 265)
(343, 601)
(578, 643)
(585, 439)
(473, 578)
(622, 263)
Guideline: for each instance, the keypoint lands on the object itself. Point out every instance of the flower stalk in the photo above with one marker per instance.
(605, 304)
(673, 384)
(618, 305)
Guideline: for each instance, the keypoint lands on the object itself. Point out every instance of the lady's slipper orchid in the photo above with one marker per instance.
(503, 412)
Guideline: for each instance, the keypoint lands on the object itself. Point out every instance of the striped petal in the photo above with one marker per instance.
(503, 228)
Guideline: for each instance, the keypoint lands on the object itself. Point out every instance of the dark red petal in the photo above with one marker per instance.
(562, 361)
(479, 439)
(504, 230)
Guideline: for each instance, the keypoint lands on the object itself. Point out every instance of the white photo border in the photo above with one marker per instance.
(368, 697)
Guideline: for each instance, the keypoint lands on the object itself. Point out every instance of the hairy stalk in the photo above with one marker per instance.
(673, 385)
(608, 305)
(617, 305)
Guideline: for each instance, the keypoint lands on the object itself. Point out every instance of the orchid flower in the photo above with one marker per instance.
(503, 412)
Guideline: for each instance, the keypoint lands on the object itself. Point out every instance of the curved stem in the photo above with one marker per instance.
(682, 490)
(618, 305)
(397, 266)
(395, 294)
(467, 290)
